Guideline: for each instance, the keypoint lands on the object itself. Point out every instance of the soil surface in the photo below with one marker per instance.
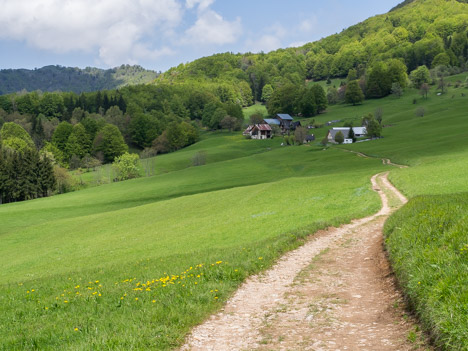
(336, 292)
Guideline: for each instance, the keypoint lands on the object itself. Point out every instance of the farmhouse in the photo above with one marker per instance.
(258, 131)
(285, 121)
(358, 133)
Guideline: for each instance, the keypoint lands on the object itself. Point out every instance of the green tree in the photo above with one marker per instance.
(351, 134)
(126, 166)
(354, 93)
(267, 92)
(374, 129)
(420, 76)
(320, 98)
(339, 137)
(15, 137)
(307, 105)
(61, 134)
(110, 142)
(78, 142)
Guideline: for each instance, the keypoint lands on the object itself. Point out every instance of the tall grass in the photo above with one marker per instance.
(428, 245)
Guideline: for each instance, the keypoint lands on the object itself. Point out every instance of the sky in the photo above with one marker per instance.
(159, 34)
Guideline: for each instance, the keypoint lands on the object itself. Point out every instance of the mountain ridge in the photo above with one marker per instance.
(58, 78)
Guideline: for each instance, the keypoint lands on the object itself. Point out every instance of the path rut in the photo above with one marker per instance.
(336, 292)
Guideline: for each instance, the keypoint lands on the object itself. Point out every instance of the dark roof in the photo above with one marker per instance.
(310, 137)
(272, 121)
(296, 124)
(284, 116)
(334, 132)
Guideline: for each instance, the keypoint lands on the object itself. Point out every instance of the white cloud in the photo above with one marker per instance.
(271, 40)
(202, 4)
(116, 28)
(265, 43)
(307, 26)
(212, 28)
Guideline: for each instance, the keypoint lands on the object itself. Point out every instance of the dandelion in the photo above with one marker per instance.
(122, 298)
(65, 301)
(97, 281)
(46, 308)
(99, 295)
(260, 258)
(136, 298)
(77, 287)
(33, 290)
(27, 292)
(154, 301)
(94, 293)
(76, 329)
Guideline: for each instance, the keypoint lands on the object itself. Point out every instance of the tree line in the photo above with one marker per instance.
(24, 173)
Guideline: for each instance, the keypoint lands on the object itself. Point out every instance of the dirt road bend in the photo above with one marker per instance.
(336, 292)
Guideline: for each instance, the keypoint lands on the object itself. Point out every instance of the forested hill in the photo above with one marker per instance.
(57, 78)
(422, 32)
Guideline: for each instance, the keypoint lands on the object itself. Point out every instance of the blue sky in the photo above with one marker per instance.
(159, 34)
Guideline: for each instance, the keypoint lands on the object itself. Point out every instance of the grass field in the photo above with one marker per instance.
(135, 264)
(428, 247)
(86, 255)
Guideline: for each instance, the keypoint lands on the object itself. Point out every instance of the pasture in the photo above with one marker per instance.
(135, 264)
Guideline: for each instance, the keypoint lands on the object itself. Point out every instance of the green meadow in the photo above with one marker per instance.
(136, 264)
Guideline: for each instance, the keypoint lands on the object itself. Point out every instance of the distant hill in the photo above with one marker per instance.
(58, 78)
(417, 32)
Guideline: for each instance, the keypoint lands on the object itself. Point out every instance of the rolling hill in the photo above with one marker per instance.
(57, 78)
(136, 264)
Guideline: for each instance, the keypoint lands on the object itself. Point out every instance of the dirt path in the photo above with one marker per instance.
(336, 292)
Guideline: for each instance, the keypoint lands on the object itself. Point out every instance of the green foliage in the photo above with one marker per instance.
(420, 76)
(339, 138)
(78, 143)
(428, 248)
(13, 136)
(24, 175)
(126, 166)
(61, 134)
(354, 94)
(53, 78)
(267, 92)
(110, 142)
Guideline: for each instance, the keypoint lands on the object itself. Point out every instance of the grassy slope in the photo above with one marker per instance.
(150, 227)
(251, 202)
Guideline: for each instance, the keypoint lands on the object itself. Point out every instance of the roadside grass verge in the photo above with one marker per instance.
(139, 278)
(427, 241)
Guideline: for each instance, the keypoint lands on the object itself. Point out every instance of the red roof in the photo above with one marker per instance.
(263, 127)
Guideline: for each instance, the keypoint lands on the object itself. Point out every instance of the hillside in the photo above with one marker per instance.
(422, 32)
(137, 264)
(57, 78)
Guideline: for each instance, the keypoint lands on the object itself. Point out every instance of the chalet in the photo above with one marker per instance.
(258, 131)
(272, 122)
(358, 133)
(285, 121)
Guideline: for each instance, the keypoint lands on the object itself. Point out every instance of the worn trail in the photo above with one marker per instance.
(336, 292)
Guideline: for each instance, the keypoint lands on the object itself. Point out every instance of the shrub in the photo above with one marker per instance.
(126, 166)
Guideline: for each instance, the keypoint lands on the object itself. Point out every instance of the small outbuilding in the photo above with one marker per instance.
(259, 131)
(358, 133)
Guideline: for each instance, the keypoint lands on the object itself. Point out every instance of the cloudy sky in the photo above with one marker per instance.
(159, 34)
